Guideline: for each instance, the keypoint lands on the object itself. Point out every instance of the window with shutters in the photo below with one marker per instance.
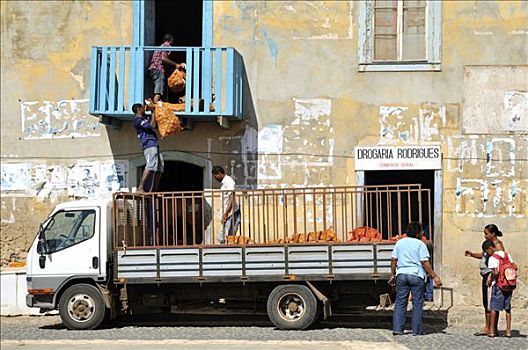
(399, 35)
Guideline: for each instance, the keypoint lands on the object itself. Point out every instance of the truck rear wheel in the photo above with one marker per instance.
(292, 306)
(82, 307)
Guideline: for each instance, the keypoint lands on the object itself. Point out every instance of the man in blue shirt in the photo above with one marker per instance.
(409, 265)
(150, 146)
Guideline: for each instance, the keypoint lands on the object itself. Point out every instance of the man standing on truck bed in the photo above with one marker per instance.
(150, 146)
(230, 209)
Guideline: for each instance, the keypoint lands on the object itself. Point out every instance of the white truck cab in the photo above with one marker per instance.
(71, 249)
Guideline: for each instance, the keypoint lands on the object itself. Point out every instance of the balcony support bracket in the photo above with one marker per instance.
(111, 122)
(223, 122)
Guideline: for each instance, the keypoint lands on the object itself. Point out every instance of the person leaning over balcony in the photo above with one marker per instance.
(409, 265)
(157, 70)
(230, 208)
(149, 144)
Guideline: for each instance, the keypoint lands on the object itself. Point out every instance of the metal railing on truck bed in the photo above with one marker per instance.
(270, 216)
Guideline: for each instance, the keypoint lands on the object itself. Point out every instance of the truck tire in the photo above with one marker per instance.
(82, 307)
(292, 306)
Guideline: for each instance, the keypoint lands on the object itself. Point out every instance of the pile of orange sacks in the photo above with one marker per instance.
(359, 235)
(327, 235)
(364, 234)
(369, 234)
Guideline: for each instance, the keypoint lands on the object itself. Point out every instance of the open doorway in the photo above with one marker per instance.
(181, 176)
(183, 19)
(178, 176)
(388, 218)
(179, 214)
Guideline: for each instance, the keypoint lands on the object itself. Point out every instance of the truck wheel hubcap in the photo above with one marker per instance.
(291, 307)
(81, 307)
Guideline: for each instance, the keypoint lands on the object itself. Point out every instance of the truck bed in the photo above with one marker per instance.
(256, 263)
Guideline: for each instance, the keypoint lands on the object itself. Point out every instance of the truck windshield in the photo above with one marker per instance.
(67, 228)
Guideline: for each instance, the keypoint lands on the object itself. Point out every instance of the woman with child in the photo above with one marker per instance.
(494, 298)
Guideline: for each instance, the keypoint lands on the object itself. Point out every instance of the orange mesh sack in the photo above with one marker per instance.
(168, 123)
(176, 81)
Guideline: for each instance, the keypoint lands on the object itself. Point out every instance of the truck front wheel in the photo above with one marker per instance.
(82, 307)
(292, 306)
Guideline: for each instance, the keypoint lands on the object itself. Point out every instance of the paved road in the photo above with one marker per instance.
(200, 345)
(239, 332)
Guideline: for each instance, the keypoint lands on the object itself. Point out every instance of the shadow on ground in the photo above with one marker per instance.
(434, 321)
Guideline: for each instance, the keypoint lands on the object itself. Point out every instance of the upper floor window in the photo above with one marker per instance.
(399, 35)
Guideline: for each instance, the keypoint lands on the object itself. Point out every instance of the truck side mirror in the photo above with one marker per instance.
(42, 261)
(42, 247)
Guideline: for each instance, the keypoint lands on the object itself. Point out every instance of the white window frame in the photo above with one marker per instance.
(433, 37)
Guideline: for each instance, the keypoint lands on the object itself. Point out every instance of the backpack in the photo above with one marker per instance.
(507, 279)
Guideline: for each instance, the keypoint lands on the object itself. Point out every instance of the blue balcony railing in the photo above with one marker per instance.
(214, 75)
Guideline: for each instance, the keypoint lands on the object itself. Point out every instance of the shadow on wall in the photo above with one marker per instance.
(234, 148)
(241, 160)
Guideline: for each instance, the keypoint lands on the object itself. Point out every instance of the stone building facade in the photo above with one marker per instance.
(320, 79)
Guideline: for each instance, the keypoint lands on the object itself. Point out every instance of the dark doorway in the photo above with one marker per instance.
(182, 223)
(388, 217)
(179, 176)
(181, 18)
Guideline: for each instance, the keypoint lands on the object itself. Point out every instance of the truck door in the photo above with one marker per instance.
(71, 247)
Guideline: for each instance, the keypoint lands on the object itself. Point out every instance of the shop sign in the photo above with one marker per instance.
(399, 158)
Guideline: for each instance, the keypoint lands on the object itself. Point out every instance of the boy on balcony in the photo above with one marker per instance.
(156, 69)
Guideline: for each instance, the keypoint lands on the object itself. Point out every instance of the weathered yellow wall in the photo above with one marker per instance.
(46, 59)
(301, 59)
(307, 101)
(48, 137)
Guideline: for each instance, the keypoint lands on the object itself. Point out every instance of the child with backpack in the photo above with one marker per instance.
(503, 281)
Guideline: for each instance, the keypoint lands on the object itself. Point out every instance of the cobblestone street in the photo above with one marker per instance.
(239, 332)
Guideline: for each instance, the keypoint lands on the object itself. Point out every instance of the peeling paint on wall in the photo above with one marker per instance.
(95, 179)
(8, 210)
(403, 124)
(302, 148)
(500, 157)
(463, 154)
(242, 164)
(270, 142)
(503, 190)
(15, 177)
(52, 181)
(270, 139)
(496, 156)
(249, 148)
(491, 197)
(392, 126)
(430, 122)
(310, 133)
(515, 105)
(57, 119)
(495, 99)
